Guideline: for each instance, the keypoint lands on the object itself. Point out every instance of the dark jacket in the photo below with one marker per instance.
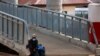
(32, 44)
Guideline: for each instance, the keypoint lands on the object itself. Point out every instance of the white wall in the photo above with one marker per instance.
(94, 12)
(70, 9)
(96, 1)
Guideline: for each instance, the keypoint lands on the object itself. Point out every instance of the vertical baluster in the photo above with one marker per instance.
(12, 29)
(52, 21)
(72, 20)
(59, 23)
(17, 10)
(23, 33)
(9, 8)
(47, 19)
(17, 31)
(41, 19)
(36, 16)
(23, 12)
(7, 26)
(31, 18)
(27, 15)
(80, 29)
(2, 25)
(65, 25)
(13, 9)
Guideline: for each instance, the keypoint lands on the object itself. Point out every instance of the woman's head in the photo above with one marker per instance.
(34, 36)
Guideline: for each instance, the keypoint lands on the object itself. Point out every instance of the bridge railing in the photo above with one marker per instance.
(13, 28)
(70, 26)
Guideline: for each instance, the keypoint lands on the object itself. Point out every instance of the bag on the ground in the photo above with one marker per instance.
(41, 50)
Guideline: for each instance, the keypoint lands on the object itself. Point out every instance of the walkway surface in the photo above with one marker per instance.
(55, 46)
(6, 54)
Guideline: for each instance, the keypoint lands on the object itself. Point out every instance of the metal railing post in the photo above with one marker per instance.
(59, 22)
(2, 25)
(41, 19)
(80, 29)
(31, 18)
(13, 9)
(17, 11)
(36, 17)
(23, 13)
(72, 26)
(28, 15)
(17, 30)
(7, 26)
(9, 8)
(65, 24)
(52, 22)
(47, 20)
(12, 29)
(23, 33)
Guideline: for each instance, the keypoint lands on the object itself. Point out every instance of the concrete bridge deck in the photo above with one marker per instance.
(59, 47)
(56, 46)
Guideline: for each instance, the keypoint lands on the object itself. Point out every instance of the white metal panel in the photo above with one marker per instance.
(94, 12)
(96, 1)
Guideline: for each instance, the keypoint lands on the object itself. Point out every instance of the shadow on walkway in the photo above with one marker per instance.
(4, 49)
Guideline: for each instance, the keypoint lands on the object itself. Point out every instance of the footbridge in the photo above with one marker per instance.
(61, 34)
